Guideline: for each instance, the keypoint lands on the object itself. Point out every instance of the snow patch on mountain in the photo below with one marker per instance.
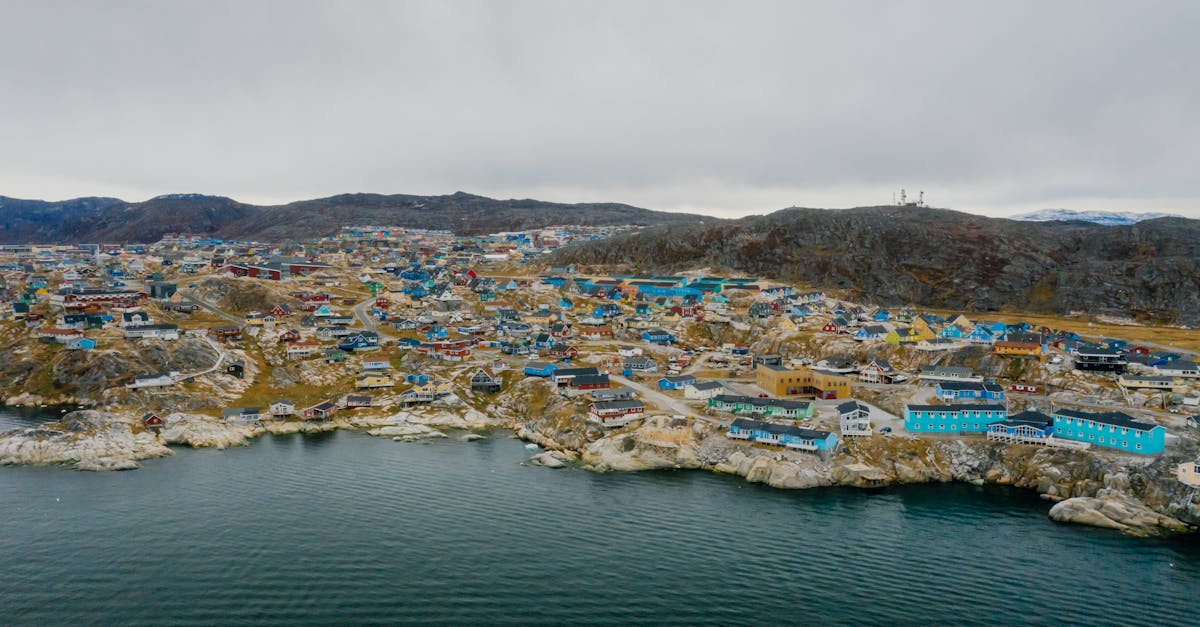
(1107, 218)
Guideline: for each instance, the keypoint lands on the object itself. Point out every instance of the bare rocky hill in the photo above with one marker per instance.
(114, 220)
(937, 258)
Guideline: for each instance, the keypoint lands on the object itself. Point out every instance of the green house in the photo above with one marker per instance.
(735, 404)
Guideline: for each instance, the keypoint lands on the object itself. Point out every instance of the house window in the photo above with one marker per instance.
(953, 427)
(1124, 430)
(1138, 446)
(977, 425)
(1124, 444)
(1092, 437)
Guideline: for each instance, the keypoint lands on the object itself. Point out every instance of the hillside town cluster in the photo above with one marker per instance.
(410, 317)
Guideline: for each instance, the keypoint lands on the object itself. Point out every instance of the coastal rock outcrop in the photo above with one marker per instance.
(86, 439)
(1115, 510)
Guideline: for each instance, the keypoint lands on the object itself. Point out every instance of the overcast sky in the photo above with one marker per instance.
(718, 107)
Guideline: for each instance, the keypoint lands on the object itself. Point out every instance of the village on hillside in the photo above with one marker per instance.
(393, 317)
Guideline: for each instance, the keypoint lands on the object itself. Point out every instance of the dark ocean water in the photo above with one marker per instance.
(343, 528)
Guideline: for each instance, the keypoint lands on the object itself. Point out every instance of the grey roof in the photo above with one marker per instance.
(575, 372)
(619, 404)
(1114, 418)
(779, 429)
(958, 407)
(961, 371)
(1032, 418)
(762, 402)
(851, 406)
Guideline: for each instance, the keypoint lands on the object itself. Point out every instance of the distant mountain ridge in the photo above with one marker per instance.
(898, 256)
(1107, 218)
(115, 220)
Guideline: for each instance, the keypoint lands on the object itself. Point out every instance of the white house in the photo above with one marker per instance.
(161, 379)
(703, 390)
(855, 418)
(158, 331)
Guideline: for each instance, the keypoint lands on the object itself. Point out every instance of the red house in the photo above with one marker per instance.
(152, 422)
(281, 311)
(835, 326)
(291, 335)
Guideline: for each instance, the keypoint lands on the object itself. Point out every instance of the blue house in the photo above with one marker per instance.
(959, 390)
(982, 335)
(881, 315)
(416, 378)
(1027, 426)
(676, 383)
(539, 369)
(952, 418)
(952, 332)
(871, 332)
(1110, 430)
(565, 303)
(81, 344)
(658, 336)
(359, 341)
(782, 435)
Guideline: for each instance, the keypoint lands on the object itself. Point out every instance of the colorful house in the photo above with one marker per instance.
(1110, 430)
(539, 369)
(788, 436)
(657, 336)
(952, 418)
(616, 413)
(736, 404)
(871, 332)
(968, 390)
(676, 382)
(1024, 349)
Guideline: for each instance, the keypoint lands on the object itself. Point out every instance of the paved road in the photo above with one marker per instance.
(664, 401)
(364, 317)
(203, 304)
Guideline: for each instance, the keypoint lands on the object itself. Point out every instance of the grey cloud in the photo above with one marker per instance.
(721, 107)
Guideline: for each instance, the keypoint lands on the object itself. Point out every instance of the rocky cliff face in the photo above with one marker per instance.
(1139, 497)
(898, 256)
(1134, 495)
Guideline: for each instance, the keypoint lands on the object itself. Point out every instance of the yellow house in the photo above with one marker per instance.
(803, 381)
(542, 316)
(1029, 349)
(908, 335)
(786, 324)
(962, 322)
(923, 330)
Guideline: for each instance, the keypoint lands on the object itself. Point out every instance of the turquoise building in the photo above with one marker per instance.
(960, 418)
(1110, 430)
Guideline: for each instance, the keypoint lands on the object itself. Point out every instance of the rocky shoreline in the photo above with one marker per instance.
(1135, 496)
